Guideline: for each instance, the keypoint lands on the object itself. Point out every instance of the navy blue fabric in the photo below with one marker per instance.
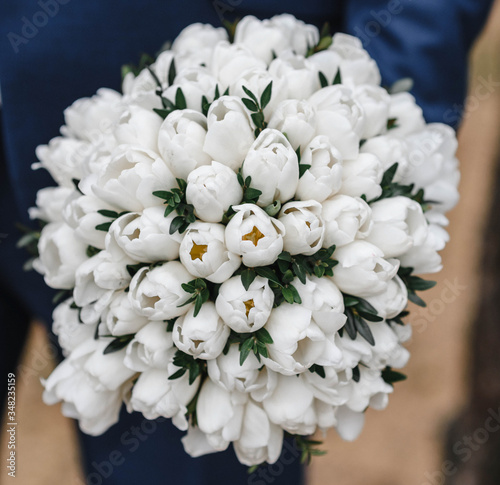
(55, 51)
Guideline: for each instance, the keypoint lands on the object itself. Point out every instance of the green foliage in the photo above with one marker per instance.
(317, 369)
(391, 376)
(255, 342)
(308, 448)
(113, 215)
(325, 41)
(256, 107)
(395, 189)
(199, 291)
(414, 284)
(187, 363)
(175, 199)
(118, 343)
(281, 273)
(359, 312)
(205, 104)
(324, 81)
(145, 61)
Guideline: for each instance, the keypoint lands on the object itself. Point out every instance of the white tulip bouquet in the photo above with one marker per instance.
(237, 235)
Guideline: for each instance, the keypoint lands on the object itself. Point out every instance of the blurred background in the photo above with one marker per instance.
(437, 427)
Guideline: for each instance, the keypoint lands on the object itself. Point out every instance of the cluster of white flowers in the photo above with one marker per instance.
(238, 234)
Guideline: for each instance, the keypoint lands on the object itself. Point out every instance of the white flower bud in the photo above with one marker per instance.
(254, 235)
(245, 310)
(230, 60)
(346, 219)
(392, 301)
(61, 253)
(152, 346)
(129, 179)
(181, 139)
(154, 395)
(212, 189)
(324, 299)
(340, 118)
(398, 225)
(300, 74)
(145, 237)
(158, 294)
(375, 102)
(230, 132)
(272, 163)
(203, 336)
(304, 228)
(120, 318)
(362, 176)
(296, 118)
(324, 177)
(204, 254)
(362, 270)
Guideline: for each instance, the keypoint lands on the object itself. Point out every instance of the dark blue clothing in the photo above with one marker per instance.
(55, 51)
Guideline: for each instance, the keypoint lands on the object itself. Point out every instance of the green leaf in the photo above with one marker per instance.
(371, 317)
(356, 374)
(414, 298)
(268, 273)
(250, 105)
(118, 343)
(252, 195)
(250, 94)
(391, 376)
(419, 284)
(350, 326)
(288, 294)
(317, 369)
(108, 213)
(176, 224)
(76, 183)
(266, 96)
(197, 305)
(180, 100)
(303, 168)
(103, 227)
(296, 295)
(155, 77)
(163, 113)
(132, 269)
(92, 251)
(300, 272)
(245, 349)
(177, 375)
(350, 301)
(324, 43)
(364, 330)
(392, 123)
(264, 336)
(338, 78)
(258, 119)
(163, 194)
(322, 79)
(171, 72)
(389, 174)
(247, 277)
(285, 256)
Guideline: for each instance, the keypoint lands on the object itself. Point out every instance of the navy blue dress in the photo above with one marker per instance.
(55, 51)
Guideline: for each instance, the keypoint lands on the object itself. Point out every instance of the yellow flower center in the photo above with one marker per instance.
(249, 304)
(254, 235)
(198, 250)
